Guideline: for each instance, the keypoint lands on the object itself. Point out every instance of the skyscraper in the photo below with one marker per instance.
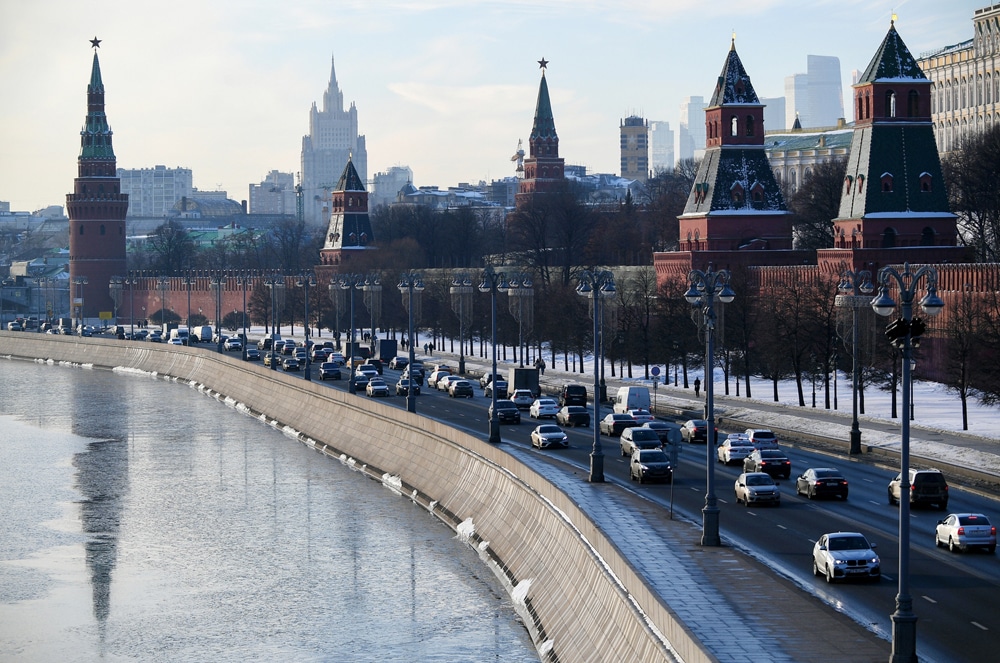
(661, 146)
(333, 140)
(689, 140)
(815, 97)
(635, 148)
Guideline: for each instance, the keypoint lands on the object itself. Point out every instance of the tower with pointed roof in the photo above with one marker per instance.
(333, 139)
(544, 170)
(893, 204)
(350, 229)
(96, 211)
(735, 202)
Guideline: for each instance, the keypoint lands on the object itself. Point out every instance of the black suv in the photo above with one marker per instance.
(573, 394)
(926, 487)
(507, 412)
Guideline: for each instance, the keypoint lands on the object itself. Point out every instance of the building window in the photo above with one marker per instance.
(889, 239)
(886, 183)
(734, 126)
(928, 237)
(749, 125)
(890, 103)
(913, 104)
(861, 183)
(925, 182)
(737, 194)
(102, 229)
(848, 181)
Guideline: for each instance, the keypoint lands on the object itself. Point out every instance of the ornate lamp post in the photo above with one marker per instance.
(461, 303)
(163, 282)
(492, 283)
(410, 282)
(859, 285)
(597, 285)
(131, 280)
(188, 281)
(305, 281)
(522, 299)
(904, 333)
(337, 299)
(372, 288)
(705, 288)
(352, 282)
(217, 284)
(79, 282)
(276, 284)
(115, 285)
(244, 280)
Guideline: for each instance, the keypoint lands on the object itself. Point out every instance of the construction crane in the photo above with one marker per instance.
(519, 159)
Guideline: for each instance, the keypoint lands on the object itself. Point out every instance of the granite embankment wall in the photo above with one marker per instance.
(583, 601)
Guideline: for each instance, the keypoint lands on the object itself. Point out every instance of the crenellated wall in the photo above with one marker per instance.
(584, 601)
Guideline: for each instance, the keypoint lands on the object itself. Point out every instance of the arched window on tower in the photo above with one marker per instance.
(886, 183)
(868, 107)
(888, 238)
(925, 182)
(750, 126)
(890, 103)
(913, 104)
(928, 237)
(848, 181)
(734, 126)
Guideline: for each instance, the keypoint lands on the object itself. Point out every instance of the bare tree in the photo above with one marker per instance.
(816, 203)
(971, 176)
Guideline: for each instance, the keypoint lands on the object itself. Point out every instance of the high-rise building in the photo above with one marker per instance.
(661, 146)
(386, 186)
(635, 148)
(815, 97)
(774, 113)
(965, 82)
(153, 192)
(689, 140)
(333, 140)
(96, 210)
(275, 195)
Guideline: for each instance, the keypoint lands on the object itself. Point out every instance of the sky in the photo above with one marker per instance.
(446, 87)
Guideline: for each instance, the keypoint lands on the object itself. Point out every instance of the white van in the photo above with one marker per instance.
(631, 398)
(202, 334)
(181, 333)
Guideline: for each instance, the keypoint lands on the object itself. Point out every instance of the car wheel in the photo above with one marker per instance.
(641, 479)
(943, 507)
(737, 498)
(992, 549)
(812, 494)
(829, 574)
(937, 540)
(815, 568)
(892, 500)
(951, 545)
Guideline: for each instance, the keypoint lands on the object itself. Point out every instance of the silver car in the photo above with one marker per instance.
(756, 488)
(961, 531)
(843, 555)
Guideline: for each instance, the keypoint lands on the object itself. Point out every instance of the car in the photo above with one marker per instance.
(377, 387)
(640, 415)
(319, 354)
(761, 438)
(417, 368)
(155, 336)
(360, 381)
(506, 411)
(843, 555)
(573, 415)
(637, 437)
(444, 381)
(252, 354)
(368, 371)
(460, 389)
(444, 367)
(771, 461)
(573, 394)
(734, 449)
(695, 431)
(173, 341)
(650, 465)
(926, 487)
(328, 370)
(301, 355)
(291, 364)
(337, 358)
(269, 358)
(356, 361)
(522, 398)
(488, 378)
(286, 347)
(410, 374)
(435, 377)
(613, 424)
(377, 363)
(232, 344)
(543, 408)
(403, 387)
(756, 488)
(669, 433)
(14, 325)
(821, 482)
(961, 531)
(398, 363)
(548, 435)
(500, 385)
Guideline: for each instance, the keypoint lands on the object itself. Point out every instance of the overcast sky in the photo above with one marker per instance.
(446, 87)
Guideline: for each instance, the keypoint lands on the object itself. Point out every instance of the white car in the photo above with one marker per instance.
(377, 387)
(842, 555)
(734, 449)
(543, 408)
(444, 381)
(368, 371)
(522, 398)
(961, 531)
(548, 435)
(435, 376)
(233, 343)
(756, 488)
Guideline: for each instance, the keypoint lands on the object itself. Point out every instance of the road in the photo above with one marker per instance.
(954, 595)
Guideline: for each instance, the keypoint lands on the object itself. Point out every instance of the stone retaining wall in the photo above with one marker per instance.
(581, 599)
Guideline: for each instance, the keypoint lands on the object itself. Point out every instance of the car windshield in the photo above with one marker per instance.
(848, 543)
(549, 429)
(759, 480)
(653, 456)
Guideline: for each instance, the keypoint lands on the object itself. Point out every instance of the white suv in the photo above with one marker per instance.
(761, 438)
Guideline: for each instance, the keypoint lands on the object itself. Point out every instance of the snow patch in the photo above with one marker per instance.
(519, 594)
(466, 529)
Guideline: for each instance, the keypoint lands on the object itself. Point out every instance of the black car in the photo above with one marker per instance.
(507, 412)
(360, 381)
(252, 354)
(403, 387)
(398, 363)
(329, 370)
(573, 394)
(821, 482)
(291, 364)
(573, 415)
(614, 424)
(770, 461)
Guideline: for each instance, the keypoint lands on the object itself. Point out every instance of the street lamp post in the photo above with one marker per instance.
(131, 304)
(163, 283)
(305, 281)
(352, 282)
(276, 284)
(410, 282)
(520, 291)
(217, 283)
(904, 333)
(461, 303)
(705, 288)
(79, 282)
(597, 285)
(243, 280)
(115, 285)
(859, 284)
(372, 288)
(493, 282)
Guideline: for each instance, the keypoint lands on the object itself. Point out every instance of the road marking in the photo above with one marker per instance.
(978, 625)
(873, 502)
(782, 527)
(929, 599)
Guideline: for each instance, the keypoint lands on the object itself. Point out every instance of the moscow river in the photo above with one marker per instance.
(145, 521)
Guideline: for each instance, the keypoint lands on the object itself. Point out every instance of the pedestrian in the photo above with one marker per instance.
(697, 386)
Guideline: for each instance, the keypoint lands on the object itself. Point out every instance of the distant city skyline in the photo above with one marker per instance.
(446, 88)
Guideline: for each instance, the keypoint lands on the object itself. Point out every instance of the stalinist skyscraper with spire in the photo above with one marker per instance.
(333, 140)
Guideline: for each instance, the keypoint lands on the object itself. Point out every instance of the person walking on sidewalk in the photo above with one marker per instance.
(697, 386)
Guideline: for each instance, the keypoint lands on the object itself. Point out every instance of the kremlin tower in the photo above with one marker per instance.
(543, 169)
(96, 211)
